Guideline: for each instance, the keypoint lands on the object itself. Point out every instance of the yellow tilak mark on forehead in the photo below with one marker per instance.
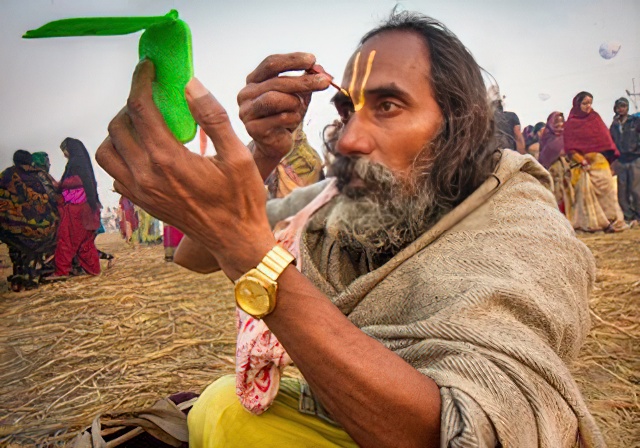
(359, 104)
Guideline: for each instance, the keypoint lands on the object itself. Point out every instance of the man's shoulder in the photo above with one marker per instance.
(634, 120)
(614, 125)
(523, 196)
(521, 204)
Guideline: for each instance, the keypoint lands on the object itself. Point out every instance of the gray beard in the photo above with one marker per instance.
(382, 214)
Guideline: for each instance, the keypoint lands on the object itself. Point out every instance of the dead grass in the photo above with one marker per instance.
(142, 330)
(608, 368)
(145, 329)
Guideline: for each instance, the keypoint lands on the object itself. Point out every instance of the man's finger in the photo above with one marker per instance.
(144, 113)
(271, 103)
(213, 118)
(275, 138)
(124, 140)
(109, 159)
(263, 128)
(279, 63)
(285, 84)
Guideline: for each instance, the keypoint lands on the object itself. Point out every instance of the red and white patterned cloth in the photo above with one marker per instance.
(260, 357)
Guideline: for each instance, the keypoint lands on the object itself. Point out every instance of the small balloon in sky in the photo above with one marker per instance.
(609, 49)
(399, 7)
(544, 96)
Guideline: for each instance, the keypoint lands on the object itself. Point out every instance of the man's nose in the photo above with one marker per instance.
(356, 138)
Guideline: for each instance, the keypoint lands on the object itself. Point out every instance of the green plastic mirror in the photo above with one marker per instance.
(166, 41)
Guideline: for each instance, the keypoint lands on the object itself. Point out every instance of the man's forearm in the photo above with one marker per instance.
(374, 394)
(265, 164)
(195, 257)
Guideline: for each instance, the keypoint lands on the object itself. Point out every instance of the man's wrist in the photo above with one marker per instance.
(265, 160)
(240, 258)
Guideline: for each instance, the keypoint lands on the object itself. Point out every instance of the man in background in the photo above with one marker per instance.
(625, 131)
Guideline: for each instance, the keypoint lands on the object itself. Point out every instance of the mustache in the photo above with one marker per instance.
(375, 179)
(342, 169)
(381, 212)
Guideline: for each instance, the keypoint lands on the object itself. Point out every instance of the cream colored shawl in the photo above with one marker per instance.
(490, 303)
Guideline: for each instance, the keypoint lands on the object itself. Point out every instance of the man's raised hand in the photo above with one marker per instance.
(272, 106)
(218, 201)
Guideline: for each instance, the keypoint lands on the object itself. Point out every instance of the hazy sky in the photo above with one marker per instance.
(54, 88)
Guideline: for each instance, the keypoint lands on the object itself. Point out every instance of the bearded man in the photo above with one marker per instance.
(439, 291)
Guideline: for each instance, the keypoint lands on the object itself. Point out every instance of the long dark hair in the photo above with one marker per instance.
(463, 154)
(79, 164)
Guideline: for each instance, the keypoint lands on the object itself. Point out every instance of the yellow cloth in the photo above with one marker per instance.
(148, 227)
(219, 420)
(595, 204)
(562, 186)
(301, 167)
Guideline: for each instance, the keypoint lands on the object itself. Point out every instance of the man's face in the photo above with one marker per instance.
(622, 109)
(585, 105)
(383, 150)
(398, 114)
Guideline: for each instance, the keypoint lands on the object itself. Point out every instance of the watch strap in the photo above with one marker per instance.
(275, 262)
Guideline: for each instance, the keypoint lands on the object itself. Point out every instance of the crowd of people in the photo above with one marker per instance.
(584, 158)
(50, 226)
(137, 226)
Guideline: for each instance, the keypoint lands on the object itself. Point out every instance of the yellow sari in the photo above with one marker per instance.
(595, 206)
(562, 186)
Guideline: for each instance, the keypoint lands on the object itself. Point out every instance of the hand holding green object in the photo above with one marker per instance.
(166, 42)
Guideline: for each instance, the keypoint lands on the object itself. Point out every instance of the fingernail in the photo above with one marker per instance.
(195, 89)
(323, 78)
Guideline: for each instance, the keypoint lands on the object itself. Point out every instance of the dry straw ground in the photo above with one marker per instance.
(145, 329)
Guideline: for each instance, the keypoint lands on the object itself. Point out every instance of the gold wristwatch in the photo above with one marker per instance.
(256, 290)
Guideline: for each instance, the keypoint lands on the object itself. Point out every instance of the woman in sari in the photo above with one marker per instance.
(149, 231)
(80, 212)
(553, 158)
(532, 139)
(171, 239)
(41, 161)
(28, 221)
(129, 222)
(589, 146)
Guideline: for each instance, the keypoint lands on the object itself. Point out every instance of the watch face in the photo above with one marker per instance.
(252, 297)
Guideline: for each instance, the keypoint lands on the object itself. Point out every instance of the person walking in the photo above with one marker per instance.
(80, 212)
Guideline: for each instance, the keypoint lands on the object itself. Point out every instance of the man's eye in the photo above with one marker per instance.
(388, 106)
